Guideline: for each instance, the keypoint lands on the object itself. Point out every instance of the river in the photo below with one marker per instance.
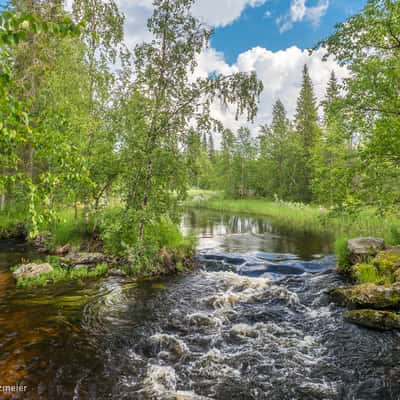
(252, 322)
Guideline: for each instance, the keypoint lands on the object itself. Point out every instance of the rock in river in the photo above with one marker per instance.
(368, 295)
(382, 320)
(32, 270)
(361, 249)
(85, 259)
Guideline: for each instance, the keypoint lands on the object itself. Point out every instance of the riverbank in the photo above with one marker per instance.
(306, 218)
(163, 251)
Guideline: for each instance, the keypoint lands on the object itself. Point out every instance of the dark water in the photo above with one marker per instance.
(253, 323)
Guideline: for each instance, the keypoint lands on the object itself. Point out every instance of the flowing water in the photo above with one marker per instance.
(253, 322)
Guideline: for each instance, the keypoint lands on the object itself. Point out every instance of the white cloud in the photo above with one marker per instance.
(215, 13)
(222, 12)
(281, 74)
(299, 11)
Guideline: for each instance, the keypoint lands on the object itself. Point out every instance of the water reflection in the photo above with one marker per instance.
(242, 234)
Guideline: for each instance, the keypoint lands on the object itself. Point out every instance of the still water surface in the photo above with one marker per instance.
(253, 322)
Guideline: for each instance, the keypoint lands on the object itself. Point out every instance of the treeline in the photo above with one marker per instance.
(87, 124)
(303, 160)
(344, 152)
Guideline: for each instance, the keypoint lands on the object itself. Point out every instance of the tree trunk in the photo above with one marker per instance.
(3, 194)
(2, 202)
(145, 198)
(76, 212)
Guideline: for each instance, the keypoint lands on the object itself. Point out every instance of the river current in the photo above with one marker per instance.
(254, 321)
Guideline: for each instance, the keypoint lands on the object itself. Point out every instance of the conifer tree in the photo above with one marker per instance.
(306, 124)
(278, 156)
(331, 155)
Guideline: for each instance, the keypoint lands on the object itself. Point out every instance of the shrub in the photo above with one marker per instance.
(343, 255)
(367, 273)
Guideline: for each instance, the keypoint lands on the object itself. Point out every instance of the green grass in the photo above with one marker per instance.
(9, 221)
(367, 273)
(66, 229)
(63, 275)
(343, 255)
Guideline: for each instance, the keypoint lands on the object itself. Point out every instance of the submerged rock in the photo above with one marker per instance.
(368, 295)
(382, 320)
(32, 270)
(363, 248)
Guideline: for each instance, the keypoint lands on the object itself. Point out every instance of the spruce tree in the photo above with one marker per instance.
(332, 176)
(306, 124)
(278, 156)
(330, 104)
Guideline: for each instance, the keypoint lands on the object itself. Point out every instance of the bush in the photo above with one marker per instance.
(120, 231)
(343, 255)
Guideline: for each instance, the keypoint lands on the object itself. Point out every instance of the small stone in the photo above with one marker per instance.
(32, 270)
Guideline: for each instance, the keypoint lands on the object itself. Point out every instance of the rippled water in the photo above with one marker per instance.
(254, 322)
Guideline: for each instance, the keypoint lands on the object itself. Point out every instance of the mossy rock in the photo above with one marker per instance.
(363, 248)
(388, 260)
(382, 320)
(368, 295)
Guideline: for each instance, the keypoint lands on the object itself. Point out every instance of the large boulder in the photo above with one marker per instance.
(363, 248)
(85, 259)
(32, 270)
(382, 320)
(367, 295)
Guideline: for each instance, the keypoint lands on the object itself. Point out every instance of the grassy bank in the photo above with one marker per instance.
(306, 218)
(164, 249)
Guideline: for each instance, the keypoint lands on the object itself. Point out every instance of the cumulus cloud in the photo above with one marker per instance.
(215, 13)
(222, 12)
(299, 11)
(281, 74)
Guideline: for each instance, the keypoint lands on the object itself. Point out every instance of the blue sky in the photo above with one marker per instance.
(257, 26)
